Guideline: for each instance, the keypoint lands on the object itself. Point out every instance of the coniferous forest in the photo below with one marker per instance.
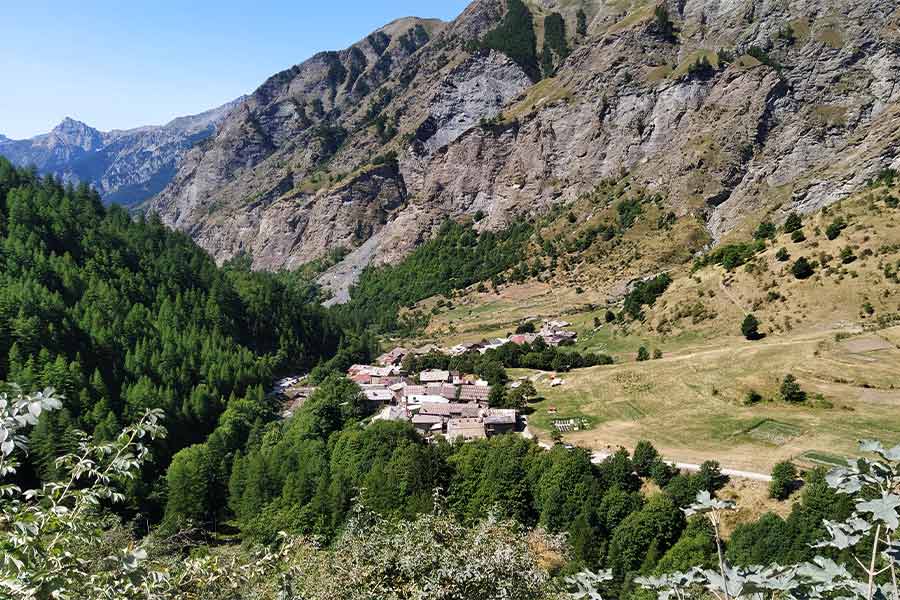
(121, 316)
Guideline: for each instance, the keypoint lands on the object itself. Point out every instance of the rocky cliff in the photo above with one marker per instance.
(125, 166)
(727, 108)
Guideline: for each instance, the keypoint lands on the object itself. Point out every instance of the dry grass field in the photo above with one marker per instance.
(691, 403)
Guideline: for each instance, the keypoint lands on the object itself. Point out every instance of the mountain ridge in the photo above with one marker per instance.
(728, 112)
(125, 165)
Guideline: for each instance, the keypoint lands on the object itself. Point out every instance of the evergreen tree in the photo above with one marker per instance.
(750, 327)
(784, 475)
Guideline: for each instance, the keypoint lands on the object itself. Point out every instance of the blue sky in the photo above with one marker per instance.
(120, 64)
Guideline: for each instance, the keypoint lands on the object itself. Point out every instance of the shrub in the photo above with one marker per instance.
(798, 236)
(642, 354)
(765, 231)
(731, 256)
(782, 254)
(847, 255)
(750, 327)
(802, 269)
(752, 397)
(525, 327)
(657, 354)
(835, 228)
(646, 293)
(610, 316)
(628, 210)
(663, 24)
(793, 223)
(784, 474)
(791, 391)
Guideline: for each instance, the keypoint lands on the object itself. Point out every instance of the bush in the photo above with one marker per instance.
(791, 391)
(793, 223)
(525, 328)
(610, 316)
(663, 24)
(802, 269)
(798, 236)
(657, 354)
(784, 474)
(765, 231)
(847, 255)
(782, 254)
(752, 397)
(835, 228)
(731, 256)
(750, 327)
(646, 293)
(642, 354)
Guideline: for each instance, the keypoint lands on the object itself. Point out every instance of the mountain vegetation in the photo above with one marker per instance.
(456, 257)
(124, 316)
(515, 37)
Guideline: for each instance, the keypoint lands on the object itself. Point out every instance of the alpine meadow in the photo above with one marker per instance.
(569, 299)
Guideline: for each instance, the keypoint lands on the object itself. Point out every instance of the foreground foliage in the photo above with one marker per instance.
(866, 540)
(55, 541)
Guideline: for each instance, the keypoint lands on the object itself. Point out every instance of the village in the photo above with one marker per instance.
(436, 402)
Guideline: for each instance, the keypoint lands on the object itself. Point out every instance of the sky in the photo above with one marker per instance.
(121, 64)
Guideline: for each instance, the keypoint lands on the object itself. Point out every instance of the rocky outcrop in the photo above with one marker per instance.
(726, 109)
(126, 167)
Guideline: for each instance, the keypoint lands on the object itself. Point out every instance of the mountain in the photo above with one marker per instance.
(125, 166)
(726, 110)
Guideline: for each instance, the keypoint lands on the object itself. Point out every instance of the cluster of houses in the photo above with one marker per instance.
(436, 402)
(554, 333)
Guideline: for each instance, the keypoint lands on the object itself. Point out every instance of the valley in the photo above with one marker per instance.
(553, 300)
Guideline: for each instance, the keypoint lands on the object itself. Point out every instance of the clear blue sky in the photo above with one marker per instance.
(119, 64)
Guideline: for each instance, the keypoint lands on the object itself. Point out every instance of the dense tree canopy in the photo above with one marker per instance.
(123, 315)
(515, 37)
(455, 258)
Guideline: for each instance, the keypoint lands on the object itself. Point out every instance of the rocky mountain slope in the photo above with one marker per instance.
(727, 109)
(126, 166)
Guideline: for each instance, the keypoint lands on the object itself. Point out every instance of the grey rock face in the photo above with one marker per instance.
(784, 119)
(126, 167)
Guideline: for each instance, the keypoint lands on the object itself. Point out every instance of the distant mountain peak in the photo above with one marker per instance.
(75, 133)
(68, 125)
(126, 166)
